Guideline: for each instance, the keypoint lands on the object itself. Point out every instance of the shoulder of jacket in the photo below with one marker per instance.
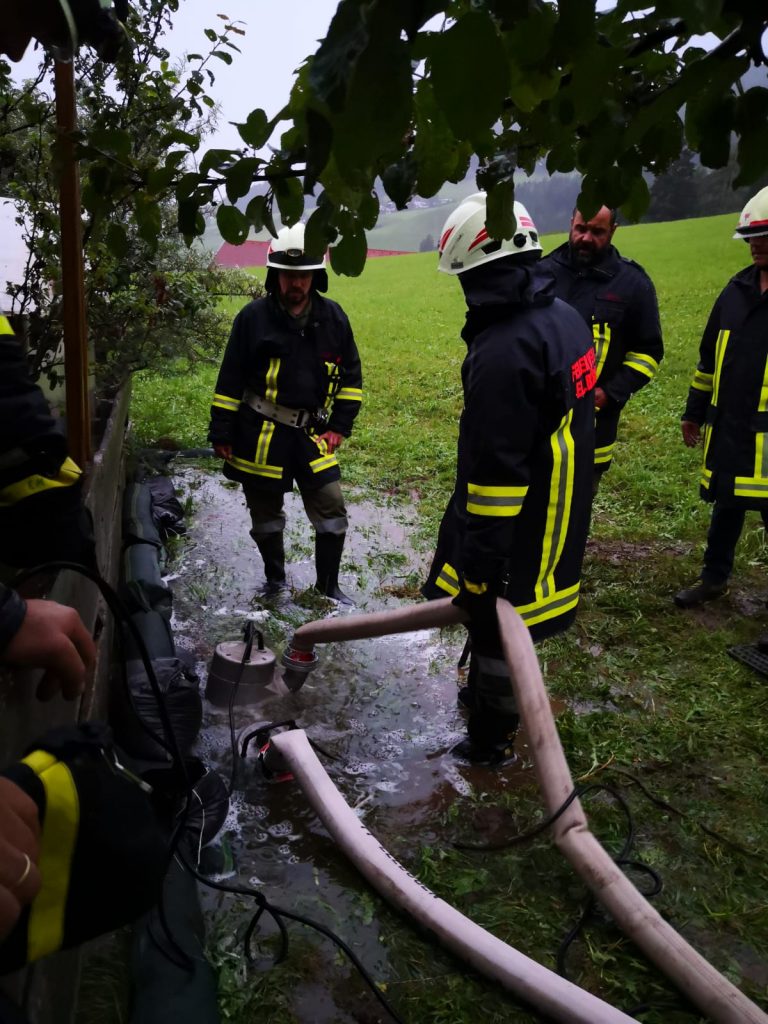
(627, 261)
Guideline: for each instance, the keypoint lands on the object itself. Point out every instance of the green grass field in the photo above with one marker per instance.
(646, 688)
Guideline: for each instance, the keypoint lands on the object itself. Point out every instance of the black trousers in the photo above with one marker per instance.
(722, 538)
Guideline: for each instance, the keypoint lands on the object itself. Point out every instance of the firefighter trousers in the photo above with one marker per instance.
(324, 507)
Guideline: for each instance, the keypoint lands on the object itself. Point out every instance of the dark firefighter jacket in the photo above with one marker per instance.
(617, 300)
(729, 395)
(519, 516)
(41, 517)
(316, 368)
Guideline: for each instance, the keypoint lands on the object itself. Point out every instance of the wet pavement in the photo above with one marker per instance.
(384, 709)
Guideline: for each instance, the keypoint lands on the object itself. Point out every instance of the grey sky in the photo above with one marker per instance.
(279, 35)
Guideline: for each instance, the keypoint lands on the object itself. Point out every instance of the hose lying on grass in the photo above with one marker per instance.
(713, 994)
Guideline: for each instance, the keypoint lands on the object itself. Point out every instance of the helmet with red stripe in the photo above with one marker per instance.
(754, 217)
(465, 243)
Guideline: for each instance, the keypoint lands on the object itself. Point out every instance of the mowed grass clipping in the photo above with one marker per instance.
(645, 688)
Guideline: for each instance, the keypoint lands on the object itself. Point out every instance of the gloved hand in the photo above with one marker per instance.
(483, 620)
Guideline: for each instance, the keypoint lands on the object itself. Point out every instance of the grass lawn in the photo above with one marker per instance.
(647, 689)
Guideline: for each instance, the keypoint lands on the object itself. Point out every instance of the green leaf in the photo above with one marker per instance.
(259, 214)
(148, 220)
(319, 232)
(751, 118)
(348, 255)
(255, 130)
(399, 180)
(222, 55)
(214, 158)
(436, 151)
(112, 140)
(638, 198)
(239, 177)
(233, 225)
(290, 199)
(117, 240)
(368, 211)
(211, 34)
(500, 209)
(470, 75)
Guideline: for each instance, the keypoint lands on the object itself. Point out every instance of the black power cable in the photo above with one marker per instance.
(120, 613)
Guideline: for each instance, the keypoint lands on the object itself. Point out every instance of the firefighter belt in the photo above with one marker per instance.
(282, 414)
(103, 850)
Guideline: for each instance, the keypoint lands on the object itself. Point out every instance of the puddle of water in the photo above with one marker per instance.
(384, 708)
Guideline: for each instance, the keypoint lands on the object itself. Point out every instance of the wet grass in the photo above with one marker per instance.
(652, 701)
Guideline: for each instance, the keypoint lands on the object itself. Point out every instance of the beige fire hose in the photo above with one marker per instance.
(713, 994)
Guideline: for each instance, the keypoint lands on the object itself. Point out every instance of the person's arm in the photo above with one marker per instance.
(47, 635)
(349, 396)
(230, 386)
(700, 390)
(645, 347)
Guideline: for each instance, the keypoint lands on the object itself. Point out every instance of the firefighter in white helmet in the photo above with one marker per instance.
(517, 522)
(288, 392)
(728, 408)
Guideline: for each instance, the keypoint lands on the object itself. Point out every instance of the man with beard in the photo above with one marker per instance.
(288, 392)
(616, 299)
(517, 522)
(728, 398)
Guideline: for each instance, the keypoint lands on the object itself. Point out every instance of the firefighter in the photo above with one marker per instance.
(728, 406)
(288, 392)
(617, 300)
(62, 25)
(517, 522)
(42, 517)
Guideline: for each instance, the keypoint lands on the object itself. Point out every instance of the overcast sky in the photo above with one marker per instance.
(279, 35)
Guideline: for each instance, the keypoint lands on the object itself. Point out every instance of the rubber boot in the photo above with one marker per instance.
(328, 548)
(272, 551)
(490, 740)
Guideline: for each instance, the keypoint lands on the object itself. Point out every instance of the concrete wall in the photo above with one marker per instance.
(48, 990)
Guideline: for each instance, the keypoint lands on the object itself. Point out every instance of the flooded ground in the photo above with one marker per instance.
(384, 710)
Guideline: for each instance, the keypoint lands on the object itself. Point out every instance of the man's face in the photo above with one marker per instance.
(759, 249)
(295, 286)
(589, 238)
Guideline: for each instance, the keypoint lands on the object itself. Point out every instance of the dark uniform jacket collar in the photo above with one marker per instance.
(608, 267)
(499, 289)
(749, 279)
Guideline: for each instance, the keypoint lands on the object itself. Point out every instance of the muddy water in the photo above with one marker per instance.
(384, 709)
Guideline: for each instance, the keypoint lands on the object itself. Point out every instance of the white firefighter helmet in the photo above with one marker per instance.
(465, 243)
(754, 217)
(286, 252)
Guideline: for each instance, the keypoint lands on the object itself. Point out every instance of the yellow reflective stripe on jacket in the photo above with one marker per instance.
(750, 487)
(225, 402)
(272, 371)
(45, 932)
(350, 394)
(494, 500)
(557, 603)
(603, 455)
(475, 588)
(324, 462)
(256, 468)
(39, 760)
(720, 347)
(643, 363)
(702, 381)
(601, 336)
(5, 325)
(262, 445)
(559, 509)
(68, 474)
(448, 580)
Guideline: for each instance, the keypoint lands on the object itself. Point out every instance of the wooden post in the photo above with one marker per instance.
(73, 289)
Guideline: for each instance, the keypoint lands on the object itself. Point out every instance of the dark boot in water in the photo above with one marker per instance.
(272, 551)
(490, 740)
(328, 549)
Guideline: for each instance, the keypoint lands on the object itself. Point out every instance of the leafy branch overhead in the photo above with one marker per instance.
(406, 90)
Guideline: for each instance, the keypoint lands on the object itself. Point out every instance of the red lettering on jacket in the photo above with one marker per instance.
(583, 373)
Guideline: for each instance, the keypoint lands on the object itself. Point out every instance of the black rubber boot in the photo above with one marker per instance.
(328, 549)
(271, 549)
(700, 592)
(490, 740)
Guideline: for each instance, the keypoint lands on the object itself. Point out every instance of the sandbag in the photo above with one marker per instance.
(142, 588)
(138, 524)
(156, 633)
(167, 511)
(182, 701)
